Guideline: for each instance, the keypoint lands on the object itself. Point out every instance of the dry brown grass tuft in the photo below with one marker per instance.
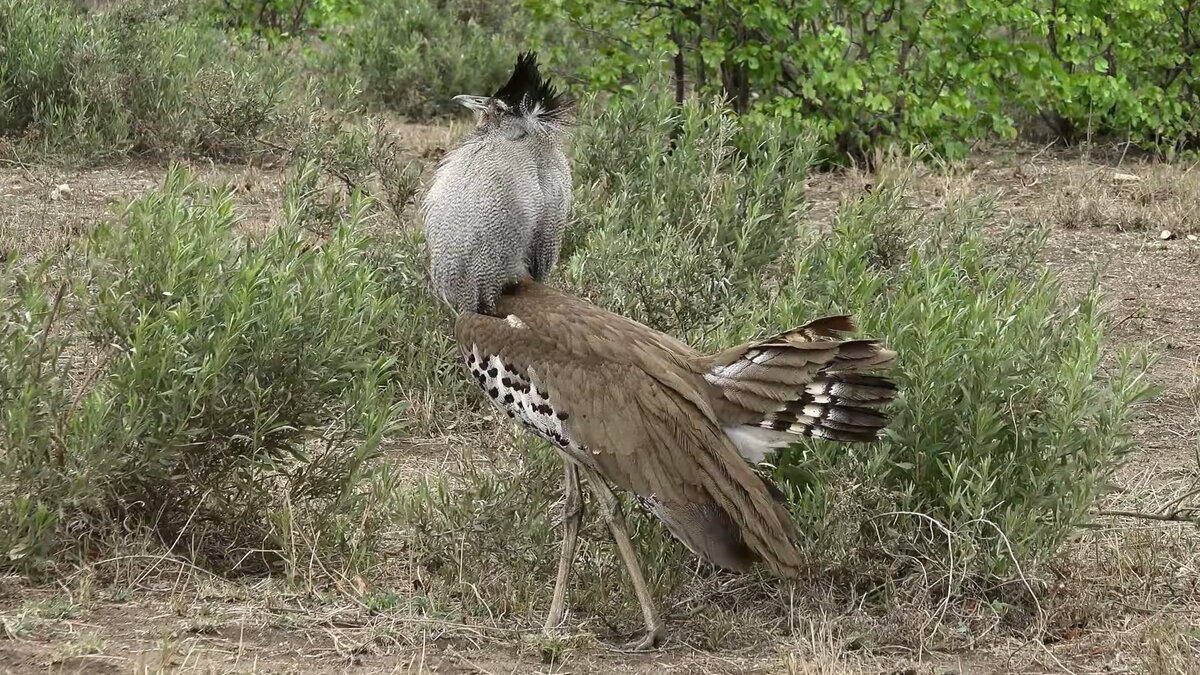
(1138, 197)
(1170, 647)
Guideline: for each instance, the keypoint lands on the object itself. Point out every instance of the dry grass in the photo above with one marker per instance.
(34, 222)
(1131, 587)
(1134, 197)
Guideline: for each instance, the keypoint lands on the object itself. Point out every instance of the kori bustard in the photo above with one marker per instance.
(626, 406)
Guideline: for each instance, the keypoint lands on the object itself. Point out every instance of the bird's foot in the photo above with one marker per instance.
(650, 640)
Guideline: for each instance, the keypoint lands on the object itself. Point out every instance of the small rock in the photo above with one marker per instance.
(1192, 237)
(1126, 178)
(1166, 234)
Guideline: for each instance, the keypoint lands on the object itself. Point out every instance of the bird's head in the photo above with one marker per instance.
(527, 102)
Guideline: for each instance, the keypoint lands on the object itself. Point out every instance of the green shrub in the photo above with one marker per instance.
(360, 152)
(415, 55)
(40, 40)
(139, 79)
(237, 393)
(1008, 426)
(668, 198)
(866, 73)
(33, 396)
(278, 20)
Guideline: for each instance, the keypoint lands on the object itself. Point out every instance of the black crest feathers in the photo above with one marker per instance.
(527, 93)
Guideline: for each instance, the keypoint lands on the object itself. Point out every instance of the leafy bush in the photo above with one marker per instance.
(1124, 71)
(864, 73)
(668, 198)
(236, 390)
(139, 79)
(276, 20)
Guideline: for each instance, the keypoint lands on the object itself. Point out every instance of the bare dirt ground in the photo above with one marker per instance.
(1107, 219)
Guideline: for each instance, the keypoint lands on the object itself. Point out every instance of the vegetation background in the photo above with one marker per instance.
(236, 439)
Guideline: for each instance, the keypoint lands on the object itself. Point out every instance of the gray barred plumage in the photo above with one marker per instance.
(498, 203)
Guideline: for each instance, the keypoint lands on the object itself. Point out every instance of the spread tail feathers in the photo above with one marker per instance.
(807, 381)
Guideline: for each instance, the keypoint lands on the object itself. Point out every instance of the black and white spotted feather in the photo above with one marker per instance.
(523, 396)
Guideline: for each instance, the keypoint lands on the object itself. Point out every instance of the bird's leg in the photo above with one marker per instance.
(572, 515)
(611, 508)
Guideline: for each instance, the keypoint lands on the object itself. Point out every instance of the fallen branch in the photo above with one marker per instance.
(1188, 515)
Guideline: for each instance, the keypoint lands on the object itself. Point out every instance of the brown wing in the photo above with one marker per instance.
(621, 398)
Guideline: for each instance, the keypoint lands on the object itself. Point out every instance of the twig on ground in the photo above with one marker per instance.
(1185, 515)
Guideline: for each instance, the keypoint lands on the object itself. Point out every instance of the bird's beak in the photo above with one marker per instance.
(478, 103)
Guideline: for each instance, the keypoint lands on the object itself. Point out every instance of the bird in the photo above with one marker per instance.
(627, 407)
(498, 203)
